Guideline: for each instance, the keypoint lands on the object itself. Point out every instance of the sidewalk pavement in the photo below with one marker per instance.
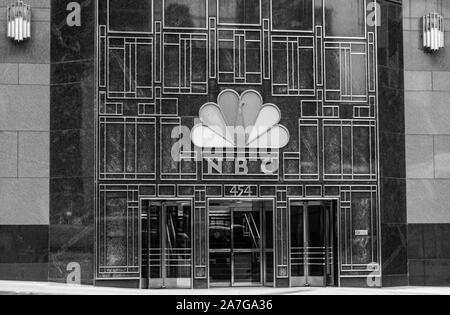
(43, 288)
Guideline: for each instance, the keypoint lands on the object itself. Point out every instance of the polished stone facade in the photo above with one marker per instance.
(318, 65)
(392, 146)
(64, 174)
(72, 106)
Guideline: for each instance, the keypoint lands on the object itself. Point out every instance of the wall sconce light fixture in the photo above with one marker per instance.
(19, 21)
(433, 32)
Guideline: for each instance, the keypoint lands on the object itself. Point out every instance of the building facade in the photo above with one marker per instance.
(217, 143)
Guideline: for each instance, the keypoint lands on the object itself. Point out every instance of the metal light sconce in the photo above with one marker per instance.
(19, 21)
(433, 32)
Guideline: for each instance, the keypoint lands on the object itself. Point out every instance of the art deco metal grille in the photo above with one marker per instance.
(160, 61)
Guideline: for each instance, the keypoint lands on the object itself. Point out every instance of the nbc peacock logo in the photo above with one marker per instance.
(240, 122)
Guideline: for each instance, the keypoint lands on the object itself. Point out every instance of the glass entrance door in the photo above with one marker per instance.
(166, 244)
(237, 249)
(247, 246)
(313, 243)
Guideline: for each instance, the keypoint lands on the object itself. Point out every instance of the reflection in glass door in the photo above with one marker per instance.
(313, 244)
(239, 253)
(166, 244)
(247, 247)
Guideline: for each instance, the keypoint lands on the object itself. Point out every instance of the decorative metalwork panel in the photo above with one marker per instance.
(127, 148)
(185, 63)
(359, 213)
(118, 232)
(239, 56)
(129, 71)
(293, 66)
(346, 72)
(160, 61)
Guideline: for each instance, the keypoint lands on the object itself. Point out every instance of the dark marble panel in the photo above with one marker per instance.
(429, 241)
(393, 201)
(185, 13)
(24, 253)
(240, 11)
(437, 272)
(23, 244)
(130, 15)
(332, 150)
(72, 153)
(200, 284)
(292, 15)
(429, 254)
(395, 281)
(73, 72)
(72, 201)
(437, 241)
(362, 159)
(433, 272)
(24, 272)
(71, 244)
(362, 220)
(354, 282)
(72, 189)
(391, 110)
(114, 224)
(394, 249)
(282, 283)
(415, 241)
(417, 272)
(308, 148)
(390, 35)
(345, 23)
(394, 33)
(123, 284)
(72, 43)
(72, 106)
(390, 78)
(392, 155)
(72, 228)
(392, 145)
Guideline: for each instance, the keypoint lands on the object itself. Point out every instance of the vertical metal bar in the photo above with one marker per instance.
(274, 244)
(261, 243)
(232, 245)
(306, 241)
(16, 24)
(424, 31)
(148, 227)
(29, 21)
(24, 21)
(163, 231)
(8, 20)
(433, 32)
(191, 236)
(332, 225)
(20, 21)
(325, 224)
(263, 246)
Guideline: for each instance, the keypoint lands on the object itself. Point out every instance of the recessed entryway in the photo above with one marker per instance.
(166, 244)
(314, 254)
(241, 243)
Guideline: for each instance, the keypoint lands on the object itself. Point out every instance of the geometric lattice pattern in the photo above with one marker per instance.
(160, 61)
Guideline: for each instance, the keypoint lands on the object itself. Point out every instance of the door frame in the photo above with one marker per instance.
(166, 200)
(335, 201)
(263, 258)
